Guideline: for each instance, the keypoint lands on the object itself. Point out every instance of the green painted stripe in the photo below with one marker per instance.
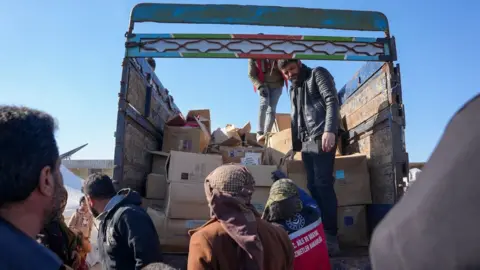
(328, 38)
(305, 56)
(209, 55)
(209, 36)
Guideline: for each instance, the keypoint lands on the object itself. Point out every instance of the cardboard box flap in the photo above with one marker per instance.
(159, 153)
(178, 120)
(202, 114)
(350, 160)
(245, 129)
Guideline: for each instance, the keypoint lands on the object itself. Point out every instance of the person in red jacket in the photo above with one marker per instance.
(268, 81)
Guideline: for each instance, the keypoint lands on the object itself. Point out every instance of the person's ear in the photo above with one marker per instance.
(46, 182)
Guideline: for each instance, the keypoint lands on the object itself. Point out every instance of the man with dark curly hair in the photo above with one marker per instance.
(30, 185)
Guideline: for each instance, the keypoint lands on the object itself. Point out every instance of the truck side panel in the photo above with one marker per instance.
(372, 112)
(144, 107)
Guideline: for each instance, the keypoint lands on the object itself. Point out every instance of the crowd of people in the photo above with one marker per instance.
(32, 197)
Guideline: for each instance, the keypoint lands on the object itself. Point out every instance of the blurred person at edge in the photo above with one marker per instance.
(71, 247)
(316, 125)
(30, 187)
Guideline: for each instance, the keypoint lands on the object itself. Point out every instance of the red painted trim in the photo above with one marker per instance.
(271, 37)
(264, 56)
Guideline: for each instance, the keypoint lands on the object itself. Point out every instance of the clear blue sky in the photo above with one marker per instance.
(64, 57)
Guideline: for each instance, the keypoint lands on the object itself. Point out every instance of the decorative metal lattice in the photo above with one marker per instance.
(258, 46)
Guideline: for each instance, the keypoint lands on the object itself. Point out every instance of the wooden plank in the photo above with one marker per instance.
(382, 184)
(137, 160)
(136, 91)
(372, 108)
(367, 92)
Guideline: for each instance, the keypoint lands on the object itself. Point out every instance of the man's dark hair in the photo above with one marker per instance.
(27, 145)
(82, 199)
(158, 266)
(282, 63)
(99, 186)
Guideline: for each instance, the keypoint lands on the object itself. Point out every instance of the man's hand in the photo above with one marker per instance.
(263, 91)
(328, 141)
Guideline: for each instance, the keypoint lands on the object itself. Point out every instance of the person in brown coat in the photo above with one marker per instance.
(82, 220)
(236, 237)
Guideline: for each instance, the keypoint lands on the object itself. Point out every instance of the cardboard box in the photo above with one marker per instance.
(152, 203)
(187, 200)
(296, 172)
(276, 146)
(352, 226)
(262, 174)
(251, 139)
(191, 167)
(203, 116)
(235, 154)
(227, 136)
(260, 197)
(186, 139)
(159, 162)
(173, 233)
(282, 121)
(352, 180)
(156, 186)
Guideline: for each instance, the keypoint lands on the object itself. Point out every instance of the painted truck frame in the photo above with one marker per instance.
(371, 102)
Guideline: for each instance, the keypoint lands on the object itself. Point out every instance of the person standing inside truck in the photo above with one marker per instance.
(315, 127)
(268, 81)
(30, 185)
(127, 238)
(236, 237)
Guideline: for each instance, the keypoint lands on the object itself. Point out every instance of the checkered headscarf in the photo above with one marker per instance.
(229, 189)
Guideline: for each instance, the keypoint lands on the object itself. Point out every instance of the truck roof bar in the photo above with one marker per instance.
(260, 46)
(259, 15)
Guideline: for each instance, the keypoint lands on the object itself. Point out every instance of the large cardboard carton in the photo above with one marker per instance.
(352, 226)
(282, 121)
(262, 174)
(352, 180)
(276, 146)
(156, 186)
(235, 154)
(187, 200)
(173, 233)
(191, 167)
(260, 197)
(159, 162)
(296, 171)
(153, 203)
(203, 116)
(186, 139)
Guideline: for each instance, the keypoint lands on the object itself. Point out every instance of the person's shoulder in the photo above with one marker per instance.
(320, 71)
(211, 229)
(272, 228)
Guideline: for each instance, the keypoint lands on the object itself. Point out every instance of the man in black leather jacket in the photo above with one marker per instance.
(315, 128)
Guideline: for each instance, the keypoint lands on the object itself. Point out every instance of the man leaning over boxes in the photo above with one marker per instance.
(315, 127)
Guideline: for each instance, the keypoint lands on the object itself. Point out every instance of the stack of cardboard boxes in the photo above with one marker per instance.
(175, 196)
(352, 185)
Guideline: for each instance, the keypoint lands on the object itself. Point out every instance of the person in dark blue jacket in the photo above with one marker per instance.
(127, 238)
(304, 197)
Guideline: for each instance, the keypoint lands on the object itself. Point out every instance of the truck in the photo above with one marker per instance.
(371, 102)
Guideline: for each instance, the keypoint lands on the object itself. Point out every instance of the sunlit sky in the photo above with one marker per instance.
(64, 57)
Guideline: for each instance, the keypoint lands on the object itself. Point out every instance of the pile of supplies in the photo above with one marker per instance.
(175, 196)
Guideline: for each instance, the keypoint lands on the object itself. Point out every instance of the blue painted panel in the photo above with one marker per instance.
(362, 75)
(260, 15)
